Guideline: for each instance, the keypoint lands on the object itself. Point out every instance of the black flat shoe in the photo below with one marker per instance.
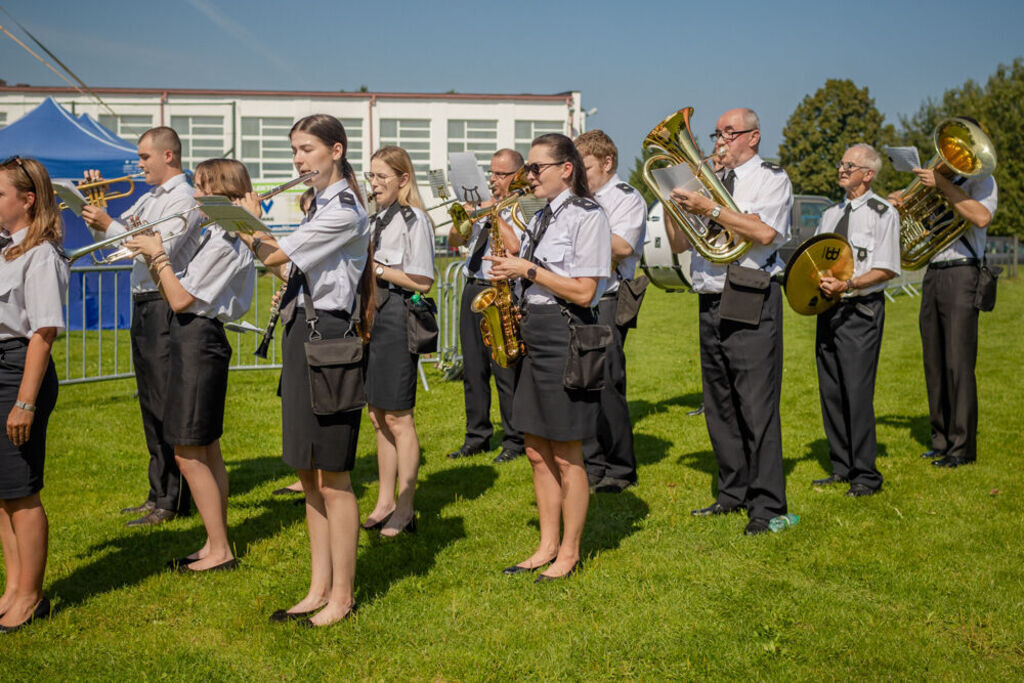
(544, 578)
(285, 491)
(465, 451)
(222, 567)
(829, 480)
(409, 528)
(953, 461)
(377, 526)
(859, 490)
(516, 569)
(713, 509)
(931, 453)
(282, 615)
(508, 455)
(308, 623)
(42, 611)
(756, 526)
(174, 564)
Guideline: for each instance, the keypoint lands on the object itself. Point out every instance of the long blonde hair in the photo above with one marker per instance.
(398, 161)
(45, 224)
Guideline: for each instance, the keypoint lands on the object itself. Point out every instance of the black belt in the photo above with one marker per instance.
(478, 281)
(144, 297)
(391, 287)
(863, 299)
(953, 263)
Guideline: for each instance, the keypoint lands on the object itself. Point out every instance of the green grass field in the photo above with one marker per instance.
(921, 581)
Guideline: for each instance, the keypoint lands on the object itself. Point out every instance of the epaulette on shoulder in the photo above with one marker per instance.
(584, 203)
(878, 205)
(771, 166)
(347, 198)
(626, 187)
(408, 214)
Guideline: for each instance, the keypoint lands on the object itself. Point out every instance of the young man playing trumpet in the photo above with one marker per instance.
(160, 161)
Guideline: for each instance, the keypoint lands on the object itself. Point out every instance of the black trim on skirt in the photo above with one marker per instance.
(543, 406)
(197, 380)
(21, 467)
(391, 369)
(311, 441)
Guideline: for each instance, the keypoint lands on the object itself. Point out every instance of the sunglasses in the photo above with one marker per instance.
(17, 160)
(535, 169)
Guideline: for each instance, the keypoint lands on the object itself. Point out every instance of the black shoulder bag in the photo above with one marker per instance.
(988, 278)
(744, 294)
(588, 350)
(336, 367)
(630, 297)
(421, 325)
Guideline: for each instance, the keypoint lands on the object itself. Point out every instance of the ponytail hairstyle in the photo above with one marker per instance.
(563, 149)
(398, 161)
(28, 176)
(328, 130)
(225, 177)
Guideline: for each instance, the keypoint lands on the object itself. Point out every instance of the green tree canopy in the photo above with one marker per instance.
(823, 125)
(998, 107)
(636, 179)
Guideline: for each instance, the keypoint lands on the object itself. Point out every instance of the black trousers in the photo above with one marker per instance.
(611, 453)
(150, 335)
(849, 337)
(477, 370)
(741, 368)
(949, 340)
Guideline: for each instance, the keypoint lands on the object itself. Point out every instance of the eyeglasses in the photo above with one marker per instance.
(535, 169)
(849, 167)
(17, 160)
(729, 135)
(371, 176)
(501, 174)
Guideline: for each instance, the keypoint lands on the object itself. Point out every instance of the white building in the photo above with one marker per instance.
(252, 125)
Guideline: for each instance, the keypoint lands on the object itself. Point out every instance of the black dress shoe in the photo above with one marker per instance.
(516, 569)
(177, 563)
(756, 526)
(465, 452)
(858, 490)
(157, 516)
(544, 578)
(148, 506)
(42, 611)
(283, 615)
(953, 461)
(931, 453)
(829, 480)
(377, 526)
(222, 567)
(697, 412)
(508, 455)
(713, 509)
(613, 485)
(308, 623)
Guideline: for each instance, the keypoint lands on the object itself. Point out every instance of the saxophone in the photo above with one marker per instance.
(500, 323)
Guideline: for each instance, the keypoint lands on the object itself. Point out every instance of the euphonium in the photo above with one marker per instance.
(499, 325)
(672, 142)
(928, 222)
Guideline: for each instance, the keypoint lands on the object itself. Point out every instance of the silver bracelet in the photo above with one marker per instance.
(25, 406)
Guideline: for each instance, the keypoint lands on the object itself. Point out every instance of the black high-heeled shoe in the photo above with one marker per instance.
(179, 562)
(544, 578)
(516, 569)
(377, 526)
(283, 615)
(42, 611)
(409, 528)
(222, 567)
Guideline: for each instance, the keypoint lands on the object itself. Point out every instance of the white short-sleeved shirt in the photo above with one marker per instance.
(481, 233)
(627, 215)
(577, 243)
(985, 191)
(874, 235)
(221, 277)
(174, 196)
(406, 241)
(764, 189)
(331, 247)
(23, 309)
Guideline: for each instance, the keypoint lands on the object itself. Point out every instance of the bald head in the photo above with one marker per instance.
(739, 138)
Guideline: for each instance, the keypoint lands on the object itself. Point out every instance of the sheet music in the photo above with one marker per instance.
(903, 158)
(69, 194)
(228, 216)
(467, 178)
(671, 177)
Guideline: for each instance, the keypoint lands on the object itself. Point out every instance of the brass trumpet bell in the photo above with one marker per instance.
(821, 255)
(98, 193)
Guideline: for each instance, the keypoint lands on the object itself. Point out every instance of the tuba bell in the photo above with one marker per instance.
(673, 142)
(928, 222)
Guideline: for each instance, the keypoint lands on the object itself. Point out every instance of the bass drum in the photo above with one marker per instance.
(666, 270)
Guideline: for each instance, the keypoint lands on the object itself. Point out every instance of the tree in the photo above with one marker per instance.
(997, 106)
(820, 129)
(636, 179)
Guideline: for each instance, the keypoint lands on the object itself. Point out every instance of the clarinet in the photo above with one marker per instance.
(268, 334)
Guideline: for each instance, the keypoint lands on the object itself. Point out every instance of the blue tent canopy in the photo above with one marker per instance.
(68, 147)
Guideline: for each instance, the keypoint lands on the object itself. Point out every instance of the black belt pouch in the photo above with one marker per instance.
(630, 297)
(744, 294)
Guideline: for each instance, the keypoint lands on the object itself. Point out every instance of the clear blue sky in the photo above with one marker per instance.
(635, 61)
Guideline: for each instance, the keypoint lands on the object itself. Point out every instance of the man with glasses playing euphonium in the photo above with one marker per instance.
(741, 362)
(478, 367)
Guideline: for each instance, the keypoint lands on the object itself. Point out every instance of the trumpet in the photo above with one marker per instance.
(464, 220)
(125, 252)
(96, 193)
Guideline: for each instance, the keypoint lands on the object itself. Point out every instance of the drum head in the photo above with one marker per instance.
(825, 254)
(666, 270)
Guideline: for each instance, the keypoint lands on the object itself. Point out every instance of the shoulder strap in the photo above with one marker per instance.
(974, 254)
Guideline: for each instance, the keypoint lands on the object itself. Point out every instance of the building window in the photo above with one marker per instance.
(202, 138)
(128, 126)
(479, 137)
(526, 131)
(266, 150)
(412, 135)
(354, 153)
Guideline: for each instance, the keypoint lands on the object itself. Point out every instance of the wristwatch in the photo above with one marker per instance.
(716, 212)
(531, 274)
(379, 271)
(25, 406)
(256, 244)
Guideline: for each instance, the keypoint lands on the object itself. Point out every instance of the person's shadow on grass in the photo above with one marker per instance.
(611, 518)
(918, 426)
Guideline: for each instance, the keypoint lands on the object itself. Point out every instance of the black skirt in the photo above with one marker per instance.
(542, 405)
(21, 467)
(311, 441)
(391, 369)
(197, 380)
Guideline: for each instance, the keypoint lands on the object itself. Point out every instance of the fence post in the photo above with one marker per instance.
(1016, 256)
